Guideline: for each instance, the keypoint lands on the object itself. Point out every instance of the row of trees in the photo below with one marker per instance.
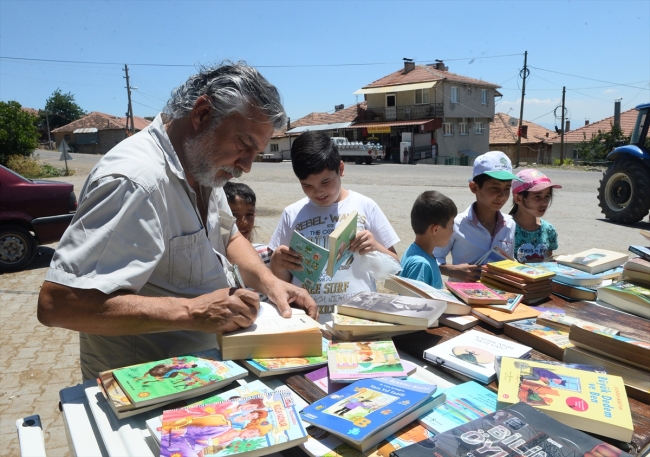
(20, 129)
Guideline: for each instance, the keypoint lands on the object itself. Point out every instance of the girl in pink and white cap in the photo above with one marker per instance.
(535, 239)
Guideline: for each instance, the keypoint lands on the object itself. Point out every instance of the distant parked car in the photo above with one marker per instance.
(32, 212)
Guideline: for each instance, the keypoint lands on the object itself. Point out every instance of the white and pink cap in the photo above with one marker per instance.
(533, 181)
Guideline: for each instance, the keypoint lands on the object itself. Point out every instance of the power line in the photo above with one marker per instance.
(584, 77)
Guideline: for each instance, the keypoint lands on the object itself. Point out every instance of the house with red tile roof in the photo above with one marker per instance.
(589, 130)
(442, 114)
(335, 123)
(535, 144)
(96, 133)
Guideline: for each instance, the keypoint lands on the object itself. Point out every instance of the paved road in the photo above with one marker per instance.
(36, 362)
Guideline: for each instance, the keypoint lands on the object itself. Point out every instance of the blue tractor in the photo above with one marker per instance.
(624, 191)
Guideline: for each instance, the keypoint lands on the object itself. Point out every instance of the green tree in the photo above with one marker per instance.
(18, 135)
(62, 109)
(601, 144)
(150, 118)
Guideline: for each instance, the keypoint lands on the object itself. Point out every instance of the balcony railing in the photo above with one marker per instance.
(400, 113)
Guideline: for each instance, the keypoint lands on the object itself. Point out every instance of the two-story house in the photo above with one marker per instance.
(444, 115)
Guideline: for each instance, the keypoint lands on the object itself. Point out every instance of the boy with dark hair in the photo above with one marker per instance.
(481, 226)
(317, 164)
(432, 220)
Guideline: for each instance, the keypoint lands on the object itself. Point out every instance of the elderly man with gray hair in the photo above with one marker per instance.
(143, 271)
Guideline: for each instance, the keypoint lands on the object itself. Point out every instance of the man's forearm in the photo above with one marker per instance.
(92, 311)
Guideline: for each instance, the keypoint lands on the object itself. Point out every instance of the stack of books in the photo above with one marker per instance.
(139, 388)
(349, 362)
(348, 328)
(368, 411)
(403, 314)
(532, 282)
(627, 296)
(593, 260)
(585, 400)
(571, 283)
(414, 288)
(282, 365)
(637, 270)
(622, 356)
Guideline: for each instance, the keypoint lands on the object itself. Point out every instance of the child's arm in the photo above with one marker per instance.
(466, 272)
(365, 242)
(284, 260)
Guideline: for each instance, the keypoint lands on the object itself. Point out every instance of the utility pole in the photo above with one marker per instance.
(128, 92)
(521, 111)
(47, 123)
(562, 131)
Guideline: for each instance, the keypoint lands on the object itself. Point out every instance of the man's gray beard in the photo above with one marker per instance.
(199, 162)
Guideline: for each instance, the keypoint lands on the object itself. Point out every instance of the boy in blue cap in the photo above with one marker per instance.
(482, 226)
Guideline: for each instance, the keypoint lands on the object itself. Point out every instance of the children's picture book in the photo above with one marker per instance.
(415, 288)
(472, 353)
(460, 323)
(561, 321)
(591, 402)
(314, 258)
(395, 309)
(350, 361)
(593, 260)
(364, 413)
(339, 243)
(576, 366)
(475, 293)
(497, 318)
(629, 350)
(514, 299)
(570, 275)
(528, 272)
(177, 377)
(320, 378)
(496, 254)
(281, 365)
(253, 426)
(272, 335)
(641, 251)
(464, 403)
(628, 297)
(534, 433)
(246, 390)
(547, 340)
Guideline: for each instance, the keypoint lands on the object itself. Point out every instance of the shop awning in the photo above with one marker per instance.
(86, 130)
(426, 125)
(336, 126)
(396, 88)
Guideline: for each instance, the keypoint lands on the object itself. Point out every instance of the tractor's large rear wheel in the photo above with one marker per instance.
(624, 192)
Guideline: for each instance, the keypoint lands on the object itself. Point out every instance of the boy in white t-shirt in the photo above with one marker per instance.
(319, 168)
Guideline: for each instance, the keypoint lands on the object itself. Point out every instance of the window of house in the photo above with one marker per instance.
(478, 128)
(66, 137)
(462, 128)
(484, 97)
(447, 129)
(421, 96)
(454, 94)
(274, 147)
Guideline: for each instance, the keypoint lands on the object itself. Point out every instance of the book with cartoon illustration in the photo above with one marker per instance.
(281, 365)
(350, 361)
(561, 321)
(339, 243)
(628, 297)
(255, 425)
(547, 340)
(629, 350)
(154, 425)
(364, 413)
(588, 401)
(593, 261)
(475, 293)
(177, 377)
(528, 272)
(314, 258)
(472, 353)
(518, 430)
(514, 299)
(569, 275)
(464, 403)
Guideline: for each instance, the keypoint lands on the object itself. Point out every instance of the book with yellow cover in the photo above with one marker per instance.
(591, 402)
(528, 272)
(497, 318)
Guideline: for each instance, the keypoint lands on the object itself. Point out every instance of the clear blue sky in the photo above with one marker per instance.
(319, 53)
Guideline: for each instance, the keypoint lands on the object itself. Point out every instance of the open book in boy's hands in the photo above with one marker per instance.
(494, 255)
(315, 257)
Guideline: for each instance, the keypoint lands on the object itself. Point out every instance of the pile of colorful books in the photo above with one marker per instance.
(532, 282)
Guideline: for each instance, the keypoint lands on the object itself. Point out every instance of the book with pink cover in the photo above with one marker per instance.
(475, 293)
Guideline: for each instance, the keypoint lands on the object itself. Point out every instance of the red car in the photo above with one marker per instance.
(32, 212)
